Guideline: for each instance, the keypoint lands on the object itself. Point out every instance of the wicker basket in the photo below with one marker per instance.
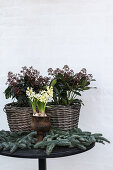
(19, 118)
(64, 117)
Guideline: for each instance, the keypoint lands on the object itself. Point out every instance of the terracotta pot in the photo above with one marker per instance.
(41, 125)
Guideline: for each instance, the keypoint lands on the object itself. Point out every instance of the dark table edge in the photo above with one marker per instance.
(52, 155)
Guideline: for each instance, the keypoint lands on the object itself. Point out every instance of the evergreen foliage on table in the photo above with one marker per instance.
(75, 138)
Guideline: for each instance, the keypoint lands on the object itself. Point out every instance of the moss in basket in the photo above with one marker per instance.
(69, 85)
(18, 83)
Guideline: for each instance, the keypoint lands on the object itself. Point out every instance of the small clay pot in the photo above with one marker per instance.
(41, 125)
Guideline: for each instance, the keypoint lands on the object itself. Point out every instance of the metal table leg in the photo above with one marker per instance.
(42, 164)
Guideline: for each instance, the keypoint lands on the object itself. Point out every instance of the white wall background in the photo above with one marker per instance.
(53, 33)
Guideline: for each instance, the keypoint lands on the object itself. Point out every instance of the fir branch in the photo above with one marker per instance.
(75, 138)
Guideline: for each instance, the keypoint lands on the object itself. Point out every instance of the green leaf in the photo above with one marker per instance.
(93, 80)
(12, 92)
(64, 101)
(56, 90)
(69, 87)
(44, 87)
(26, 78)
(53, 82)
(77, 93)
(84, 82)
(8, 92)
(48, 106)
(86, 88)
(60, 76)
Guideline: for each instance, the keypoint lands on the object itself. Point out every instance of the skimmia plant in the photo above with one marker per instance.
(69, 85)
(66, 90)
(18, 83)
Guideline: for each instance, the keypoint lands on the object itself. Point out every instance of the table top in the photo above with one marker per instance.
(40, 153)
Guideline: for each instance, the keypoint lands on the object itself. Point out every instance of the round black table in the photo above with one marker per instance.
(41, 155)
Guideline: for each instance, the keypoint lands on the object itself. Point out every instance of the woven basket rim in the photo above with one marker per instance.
(65, 106)
(10, 105)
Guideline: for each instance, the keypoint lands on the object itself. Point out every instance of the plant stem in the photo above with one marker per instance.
(41, 107)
